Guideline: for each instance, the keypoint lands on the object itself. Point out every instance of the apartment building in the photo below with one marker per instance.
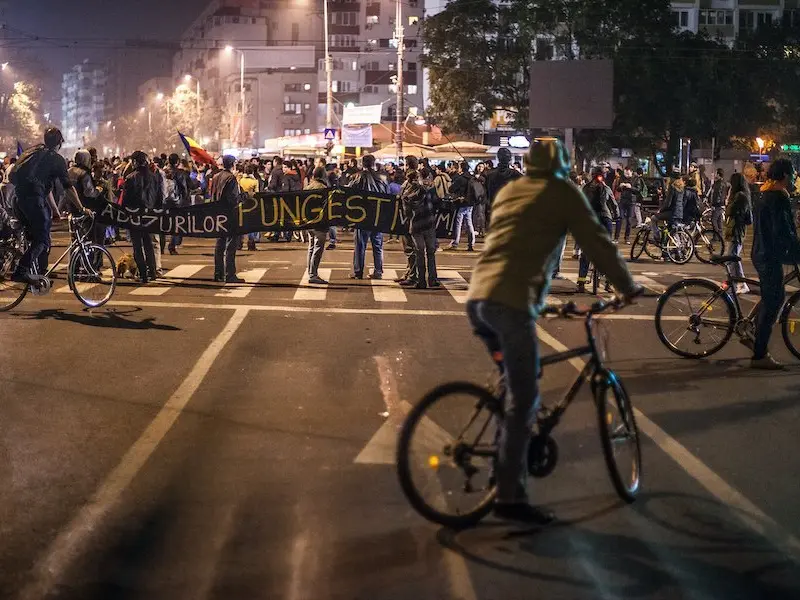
(84, 101)
(727, 19)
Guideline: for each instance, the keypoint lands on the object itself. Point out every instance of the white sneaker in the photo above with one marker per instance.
(742, 288)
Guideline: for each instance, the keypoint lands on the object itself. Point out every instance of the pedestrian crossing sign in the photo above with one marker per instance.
(330, 134)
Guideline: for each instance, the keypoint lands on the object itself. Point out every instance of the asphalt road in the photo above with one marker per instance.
(201, 441)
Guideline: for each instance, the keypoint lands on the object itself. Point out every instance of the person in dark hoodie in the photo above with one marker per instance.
(497, 178)
(409, 278)
(774, 245)
(601, 199)
(226, 191)
(417, 201)
(316, 242)
(367, 180)
(672, 210)
(142, 189)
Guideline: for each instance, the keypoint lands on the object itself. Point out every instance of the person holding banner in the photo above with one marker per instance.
(226, 191)
(316, 241)
(367, 179)
(142, 189)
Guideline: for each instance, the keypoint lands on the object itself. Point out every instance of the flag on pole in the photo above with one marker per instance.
(196, 151)
(19, 149)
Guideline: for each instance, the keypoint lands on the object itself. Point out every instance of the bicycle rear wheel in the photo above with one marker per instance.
(695, 318)
(92, 275)
(707, 243)
(619, 436)
(639, 244)
(790, 324)
(445, 452)
(680, 247)
(11, 292)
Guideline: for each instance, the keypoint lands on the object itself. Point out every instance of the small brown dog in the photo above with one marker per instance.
(126, 264)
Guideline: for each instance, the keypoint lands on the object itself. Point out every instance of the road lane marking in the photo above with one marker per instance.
(72, 540)
(160, 287)
(381, 449)
(251, 277)
(307, 291)
(455, 284)
(386, 290)
(745, 510)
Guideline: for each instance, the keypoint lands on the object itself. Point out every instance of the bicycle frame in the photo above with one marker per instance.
(732, 280)
(78, 241)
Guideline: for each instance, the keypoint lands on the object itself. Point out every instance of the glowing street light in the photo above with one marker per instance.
(159, 96)
(760, 143)
(187, 78)
(4, 66)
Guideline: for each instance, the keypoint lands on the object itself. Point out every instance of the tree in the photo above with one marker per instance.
(19, 110)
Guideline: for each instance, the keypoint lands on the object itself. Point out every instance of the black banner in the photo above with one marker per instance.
(286, 211)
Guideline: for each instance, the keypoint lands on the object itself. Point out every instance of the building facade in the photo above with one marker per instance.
(727, 19)
(285, 89)
(84, 100)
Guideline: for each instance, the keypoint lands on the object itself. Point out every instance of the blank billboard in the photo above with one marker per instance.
(572, 93)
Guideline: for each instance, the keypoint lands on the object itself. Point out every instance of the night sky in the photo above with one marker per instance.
(103, 19)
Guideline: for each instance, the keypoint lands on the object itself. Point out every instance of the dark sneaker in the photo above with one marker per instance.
(399, 279)
(219, 278)
(523, 513)
(316, 279)
(581, 288)
(376, 276)
(766, 364)
(435, 284)
(421, 286)
(470, 249)
(356, 276)
(235, 279)
(409, 283)
(173, 251)
(330, 247)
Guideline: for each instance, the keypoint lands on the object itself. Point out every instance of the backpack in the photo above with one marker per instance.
(476, 194)
(24, 169)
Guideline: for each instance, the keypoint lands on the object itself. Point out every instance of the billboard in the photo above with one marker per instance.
(572, 94)
(362, 115)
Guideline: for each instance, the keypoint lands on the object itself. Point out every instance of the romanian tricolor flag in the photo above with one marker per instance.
(196, 151)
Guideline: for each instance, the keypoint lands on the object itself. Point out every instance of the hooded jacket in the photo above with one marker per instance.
(601, 198)
(368, 181)
(675, 200)
(80, 174)
(417, 204)
(774, 232)
(142, 190)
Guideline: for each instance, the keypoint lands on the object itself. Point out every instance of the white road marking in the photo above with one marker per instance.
(307, 291)
(386, 290)
(381, 450)
(251, 277)
(749, 513)
(161, 287)
(649, 283)
(72, 540)
(455, 284)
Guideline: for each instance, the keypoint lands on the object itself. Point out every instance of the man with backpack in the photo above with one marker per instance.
(601, 199)
(417, 202)
(33, 176)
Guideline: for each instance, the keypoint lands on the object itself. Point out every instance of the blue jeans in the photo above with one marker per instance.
(332, 234)
(464, 213)
(772, 296)
(254, 237)
(361, 237)
(512, 332)
(38, 222)
(735, 249)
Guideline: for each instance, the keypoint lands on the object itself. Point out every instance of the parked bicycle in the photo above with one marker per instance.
(91, 273)
(674, 243)
(448, 442)
(696, 317)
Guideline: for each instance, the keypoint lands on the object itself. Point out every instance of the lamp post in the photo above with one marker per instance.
(328, 71)
(241, 85)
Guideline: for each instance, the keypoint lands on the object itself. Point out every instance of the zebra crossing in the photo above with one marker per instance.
(283, 282)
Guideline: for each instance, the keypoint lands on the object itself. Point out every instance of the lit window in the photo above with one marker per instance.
(307, 131)
(372, 20)
(393, 43)
(307, 86)
(335, 86)
(355, 65)
(412, 89)
(413, 20)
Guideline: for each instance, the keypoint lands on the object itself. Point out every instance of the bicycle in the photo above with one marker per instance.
(426, 440)
(91, 273)
(707, 242)
(705, 310)
(674, 243)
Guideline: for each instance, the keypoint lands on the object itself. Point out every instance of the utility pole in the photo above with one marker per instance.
(328, 71)
(241, 99)
(398, 134)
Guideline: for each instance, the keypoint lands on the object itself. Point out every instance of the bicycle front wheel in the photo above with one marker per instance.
(679, 247)
(619, 436)
(790, 324)
(707, 244)
(639, 243)
(445, 453)
(11, 292)
(92, 275)
(695, 318)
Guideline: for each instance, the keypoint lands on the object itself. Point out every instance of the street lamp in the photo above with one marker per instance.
(328, 71)
(4, 66)
(230, 49)
(760, 143)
